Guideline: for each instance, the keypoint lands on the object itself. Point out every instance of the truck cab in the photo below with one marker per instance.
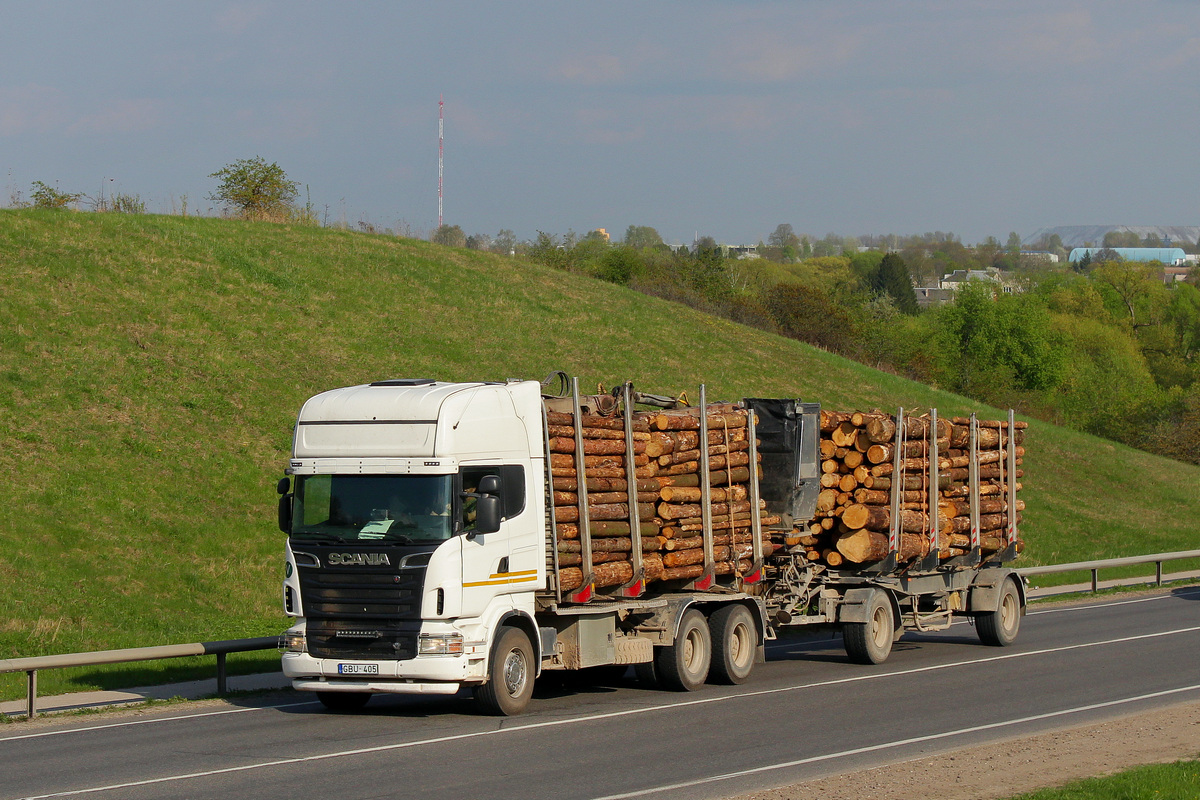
(414, 513)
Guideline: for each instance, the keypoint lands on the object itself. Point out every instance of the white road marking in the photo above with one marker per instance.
(154, 721)
(288, 705)
(898, 743)
(643, 710)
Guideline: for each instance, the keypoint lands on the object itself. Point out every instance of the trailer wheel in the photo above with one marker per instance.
(510, 675)
(999, 628)
(734, 643)
(343, 701)
(683, 666)
(870, 642)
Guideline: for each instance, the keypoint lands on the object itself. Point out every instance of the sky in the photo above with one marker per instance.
(720, 119)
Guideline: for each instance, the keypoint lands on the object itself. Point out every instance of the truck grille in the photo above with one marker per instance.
(359, 611)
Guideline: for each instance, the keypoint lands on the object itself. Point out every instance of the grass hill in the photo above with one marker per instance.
(151, 368)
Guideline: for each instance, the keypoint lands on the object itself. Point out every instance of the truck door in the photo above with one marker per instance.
(487, 571)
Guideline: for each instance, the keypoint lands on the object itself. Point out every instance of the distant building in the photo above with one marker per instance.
(1039, 255)
(1086, 235)
(932, 296)
(1170, 256)
(740, 251)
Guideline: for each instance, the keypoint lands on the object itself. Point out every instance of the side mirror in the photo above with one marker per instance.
(489, 484)
(285, 513)
(283, 486)
(487, 519)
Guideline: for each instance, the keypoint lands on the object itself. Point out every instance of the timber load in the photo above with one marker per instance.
(654, 476)
(876, 499)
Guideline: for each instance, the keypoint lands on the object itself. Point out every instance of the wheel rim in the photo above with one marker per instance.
(692, 646)
(1008, 611)
(515, 673)
(740, 648)
(881, 632)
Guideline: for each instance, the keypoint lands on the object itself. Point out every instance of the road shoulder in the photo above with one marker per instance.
(1013, 766)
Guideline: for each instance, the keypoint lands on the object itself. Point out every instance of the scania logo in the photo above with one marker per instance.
(359, 559)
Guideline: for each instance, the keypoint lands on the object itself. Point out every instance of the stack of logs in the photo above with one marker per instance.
(667, 460)
(853, 514)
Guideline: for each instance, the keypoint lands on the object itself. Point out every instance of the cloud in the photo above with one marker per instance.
(776, 57)
(1181, 56)
(31, 109)
(605, 126)
(238, 19)
(1032, 42)
(595, 69)
(280, 121)
(120, 116)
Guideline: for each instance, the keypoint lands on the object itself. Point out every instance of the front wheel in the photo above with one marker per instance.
(683, 666)
(510, 675)
(999, 628)
(870, 642)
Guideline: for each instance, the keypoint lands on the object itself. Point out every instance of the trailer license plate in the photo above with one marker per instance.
(358, 669)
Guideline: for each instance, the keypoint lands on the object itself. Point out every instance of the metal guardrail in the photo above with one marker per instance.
(1095, 566)
(31, 665)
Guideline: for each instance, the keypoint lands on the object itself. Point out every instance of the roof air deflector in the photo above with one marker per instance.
(406, 382)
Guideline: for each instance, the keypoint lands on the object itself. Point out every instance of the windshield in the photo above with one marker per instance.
(383, 508)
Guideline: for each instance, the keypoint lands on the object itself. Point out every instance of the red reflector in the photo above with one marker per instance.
(755, 578)
(581, 596)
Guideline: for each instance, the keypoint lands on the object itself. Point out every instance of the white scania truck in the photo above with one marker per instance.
(422, 557)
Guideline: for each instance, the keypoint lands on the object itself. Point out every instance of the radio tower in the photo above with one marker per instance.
(440, 104)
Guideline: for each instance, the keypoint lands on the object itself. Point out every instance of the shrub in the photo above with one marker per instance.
(44, 196)
(256, 189)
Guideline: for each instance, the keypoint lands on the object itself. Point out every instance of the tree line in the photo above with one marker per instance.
(1102, 345)
(1109, 349)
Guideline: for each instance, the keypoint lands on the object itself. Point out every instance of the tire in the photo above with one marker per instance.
(343, 701)
(999, 628)
(510, 675)
(683, 666)
(734, 644)
(870, 642)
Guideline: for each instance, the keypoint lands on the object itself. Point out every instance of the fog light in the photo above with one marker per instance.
(440, 644)
(291, 642)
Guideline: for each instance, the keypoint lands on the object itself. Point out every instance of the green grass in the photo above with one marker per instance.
(1177, 781)
(151, 368)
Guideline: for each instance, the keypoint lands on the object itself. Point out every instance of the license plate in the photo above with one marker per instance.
(358, 669)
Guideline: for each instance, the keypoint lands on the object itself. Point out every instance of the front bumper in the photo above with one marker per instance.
(321, 674)
(392, 687)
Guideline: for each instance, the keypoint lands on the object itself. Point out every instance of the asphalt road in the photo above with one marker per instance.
(806, 713)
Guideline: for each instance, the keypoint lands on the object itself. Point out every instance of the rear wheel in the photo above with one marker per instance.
(870, 642)
(683, 666)
(999, 628)
(734, 644)
(343, 701)
(510, 675)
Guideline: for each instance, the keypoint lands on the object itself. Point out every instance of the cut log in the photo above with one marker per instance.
(863, 546)
(591, 421)
(570, 530)
(594, 447)
(667, 421)
(693, 494)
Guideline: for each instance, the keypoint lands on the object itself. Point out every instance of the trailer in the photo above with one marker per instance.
(448, 536)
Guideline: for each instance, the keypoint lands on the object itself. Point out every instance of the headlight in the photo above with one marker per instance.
(440, 644)
(291, 642)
